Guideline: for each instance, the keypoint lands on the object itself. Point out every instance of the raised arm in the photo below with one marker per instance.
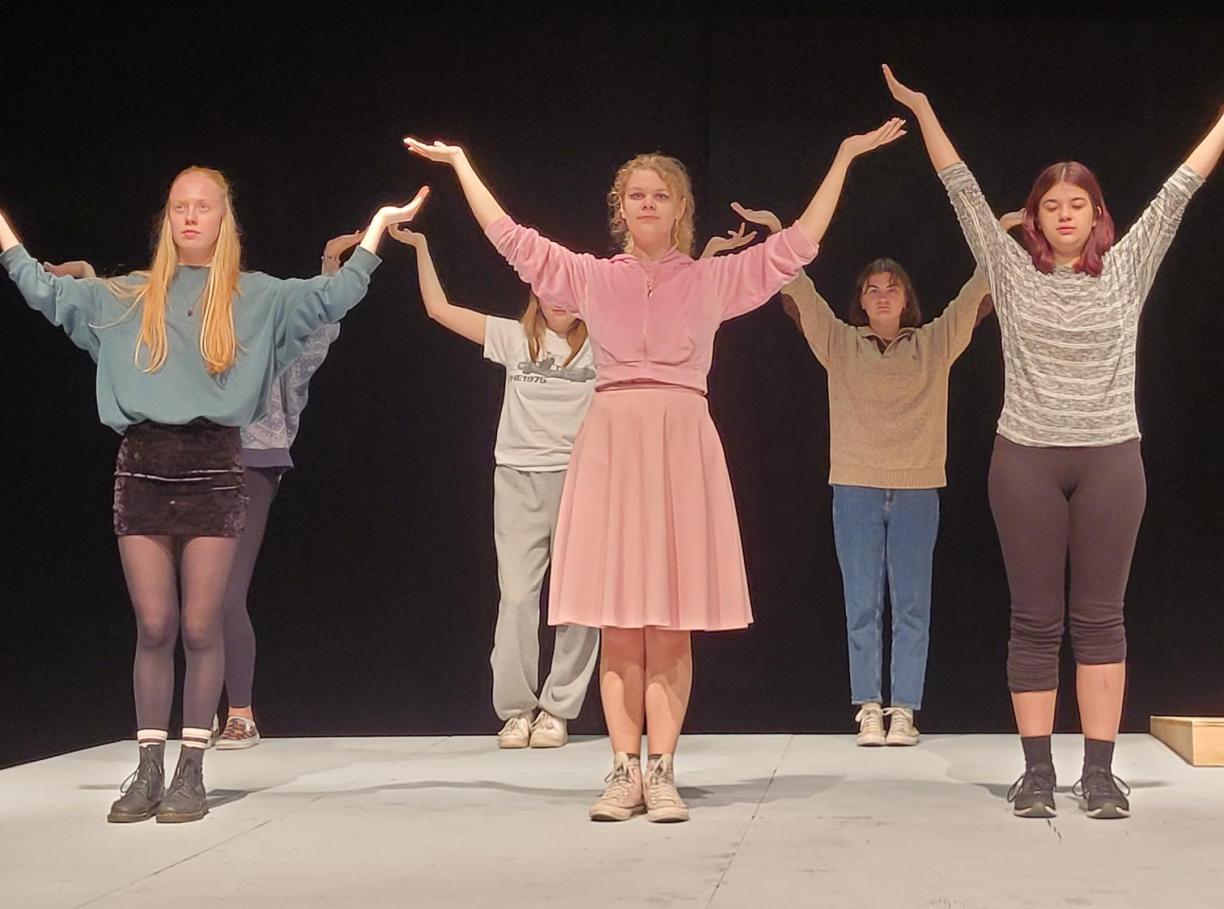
(1206, 154)
(815, 219)
(938, 145)
(8, 236)
(74, 305)
(391, 214)
(748, 279)
(466, 323)
(480, 200)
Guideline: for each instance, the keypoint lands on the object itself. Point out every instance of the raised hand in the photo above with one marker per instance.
(902, 92)
(733, 240)
(758, 216)
(406, 236)
(436, 151)
(1012, 220)
(392, 214)
(77, 268)
(338, 246)
(889, 131)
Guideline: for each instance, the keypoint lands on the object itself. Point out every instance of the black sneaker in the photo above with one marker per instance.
(1103, 794)
(1033, 794)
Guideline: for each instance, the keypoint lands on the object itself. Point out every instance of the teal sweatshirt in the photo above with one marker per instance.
(273, 319)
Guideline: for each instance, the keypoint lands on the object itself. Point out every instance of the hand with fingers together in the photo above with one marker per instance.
(758, 216)
(77, 268)
(407, 237)
(336, 247)
(733, 240)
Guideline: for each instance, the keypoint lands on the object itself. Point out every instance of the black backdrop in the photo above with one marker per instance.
(376, 594)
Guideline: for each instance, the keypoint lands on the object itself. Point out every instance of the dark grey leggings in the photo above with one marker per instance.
(1050, 504)
(261, 486)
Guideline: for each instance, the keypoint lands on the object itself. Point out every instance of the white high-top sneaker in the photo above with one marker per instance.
(548, 731)
(901, 728)
(871, 724)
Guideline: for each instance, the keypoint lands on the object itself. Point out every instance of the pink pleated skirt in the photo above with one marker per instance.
(647, 534)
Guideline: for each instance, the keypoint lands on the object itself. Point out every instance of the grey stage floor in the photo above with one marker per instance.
(778, 820)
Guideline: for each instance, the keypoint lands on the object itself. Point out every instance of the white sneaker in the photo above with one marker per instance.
(548, 731)
(871, 725)
(516, 733)
(901, 728)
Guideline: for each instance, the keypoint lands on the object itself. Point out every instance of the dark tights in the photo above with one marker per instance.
(261, 486)
(156, 568)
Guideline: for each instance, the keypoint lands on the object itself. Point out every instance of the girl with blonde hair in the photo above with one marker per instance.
(186, 353)
(550, 378)
(648, 547)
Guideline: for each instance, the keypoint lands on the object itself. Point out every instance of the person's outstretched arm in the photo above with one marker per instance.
(745, 280)
(479, 198)
(77, 306)
(554, 272)
(466, 323)
(815, 219)
(1206, 154)
(938, 145)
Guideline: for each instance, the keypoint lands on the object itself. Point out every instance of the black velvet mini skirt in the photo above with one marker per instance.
(181, 481)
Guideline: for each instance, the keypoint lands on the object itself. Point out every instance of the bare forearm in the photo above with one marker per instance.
(466, 323)
(815, 219)
(484, 206)
(939, 147)
(1207, 153)
(8, 237)
(432, 293)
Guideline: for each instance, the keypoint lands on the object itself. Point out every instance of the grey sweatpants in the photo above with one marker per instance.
(525, 506)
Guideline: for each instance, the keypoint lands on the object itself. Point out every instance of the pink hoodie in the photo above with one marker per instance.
(653, 321)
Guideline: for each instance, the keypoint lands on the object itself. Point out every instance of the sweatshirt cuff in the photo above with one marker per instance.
(798, 241)
(497, 229)
(11, 256)
(363, 260)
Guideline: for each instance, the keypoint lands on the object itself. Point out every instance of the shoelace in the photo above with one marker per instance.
(900, 713)
(872, 720)
(1027, 783)
(544, 720)
(512, 724)
(662, 785)
(619, 781)
(1080, 791)
(131, 778)
(236, 728)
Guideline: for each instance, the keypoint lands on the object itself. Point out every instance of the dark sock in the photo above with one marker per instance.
(1098, 753)
(1036, 751)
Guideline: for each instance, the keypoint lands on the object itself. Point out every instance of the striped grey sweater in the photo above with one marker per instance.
(1068, 338)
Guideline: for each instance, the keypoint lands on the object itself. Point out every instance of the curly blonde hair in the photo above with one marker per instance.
(675, 175)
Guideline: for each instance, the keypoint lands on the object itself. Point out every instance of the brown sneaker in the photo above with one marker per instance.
(239, 733)
(663, 802)
(622, 798)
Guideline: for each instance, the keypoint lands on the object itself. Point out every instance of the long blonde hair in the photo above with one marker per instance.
(534, 327)
(675, 175)
(218, 340)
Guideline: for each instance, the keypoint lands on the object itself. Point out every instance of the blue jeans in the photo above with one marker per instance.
(886, 533)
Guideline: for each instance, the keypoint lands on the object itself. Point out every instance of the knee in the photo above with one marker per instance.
(156, 632)
(1098, 635)
(1032, 651)
(199, 636)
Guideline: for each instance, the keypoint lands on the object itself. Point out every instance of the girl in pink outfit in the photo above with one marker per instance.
(648, 545)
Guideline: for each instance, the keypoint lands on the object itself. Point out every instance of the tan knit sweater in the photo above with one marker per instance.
(888, 412)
